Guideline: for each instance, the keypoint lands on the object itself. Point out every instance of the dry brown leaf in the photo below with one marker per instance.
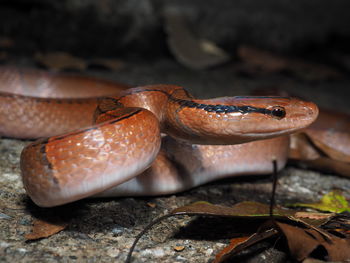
(340, 225)
(152, 205)
(302, 242)
(243, 209)
(59, 61)
(268, 62)
(240, 243)
(229, 250)
(179, 248)
(109, 64)
(42, 228)
(312, 215)
(247, 209)
(269, 228)
(221, 256)
(189, 50)
(264, 60)
(313, 71)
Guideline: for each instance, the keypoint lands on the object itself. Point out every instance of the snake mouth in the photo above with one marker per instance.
(267, 135)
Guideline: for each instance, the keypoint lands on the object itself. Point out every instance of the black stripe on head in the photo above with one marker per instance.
(276, 111)
(262, 97)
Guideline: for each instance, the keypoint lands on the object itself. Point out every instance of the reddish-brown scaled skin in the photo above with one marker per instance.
(27, 118)
(332, 130)
(126, 141)
(43, 84)
(85, 162)
(36, 104)
(181, 166)
(152, 99)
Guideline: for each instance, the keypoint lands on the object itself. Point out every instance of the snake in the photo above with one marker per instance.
(99, 139)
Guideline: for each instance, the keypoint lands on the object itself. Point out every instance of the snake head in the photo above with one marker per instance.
(235, 120)
(279, 116)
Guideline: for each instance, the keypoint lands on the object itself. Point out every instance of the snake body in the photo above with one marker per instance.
(125, 153)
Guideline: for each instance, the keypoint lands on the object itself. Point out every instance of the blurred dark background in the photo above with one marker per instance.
(211, 47)
(133, 27)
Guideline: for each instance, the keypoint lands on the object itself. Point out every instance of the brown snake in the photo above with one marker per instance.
(124, 152)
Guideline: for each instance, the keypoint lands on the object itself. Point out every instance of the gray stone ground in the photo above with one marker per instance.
(103, 230)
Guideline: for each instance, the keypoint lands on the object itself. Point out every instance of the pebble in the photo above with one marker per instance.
(22, 250)
(113, 252)
(209, 252)
(117, 230)
(156, 252)
(4, 244)
(25, 221)
(4, 216)
(181, 259)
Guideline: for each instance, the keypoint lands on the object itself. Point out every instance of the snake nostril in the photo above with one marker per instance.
(278, 112)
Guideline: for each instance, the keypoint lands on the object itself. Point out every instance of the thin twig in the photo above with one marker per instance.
(138, 237)
(274, 184)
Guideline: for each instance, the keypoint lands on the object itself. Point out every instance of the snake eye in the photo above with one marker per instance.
(278, 112)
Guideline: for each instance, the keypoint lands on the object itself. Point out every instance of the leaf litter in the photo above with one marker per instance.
(305, 234)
